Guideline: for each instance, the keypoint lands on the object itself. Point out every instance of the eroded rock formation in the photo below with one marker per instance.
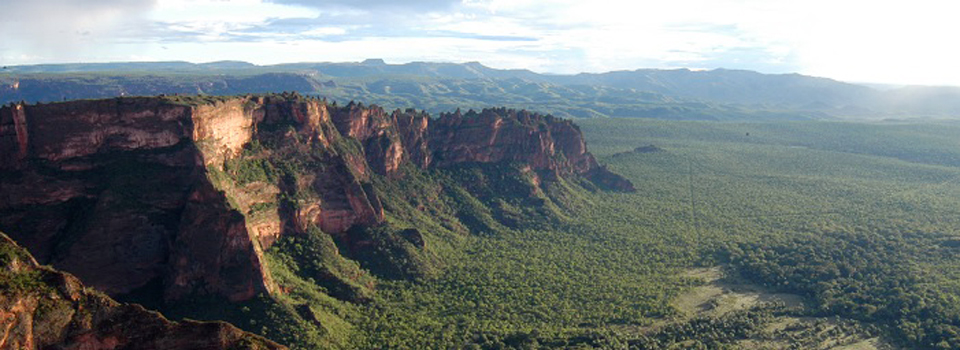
(41, 308)
(548, 145)
(187, 192)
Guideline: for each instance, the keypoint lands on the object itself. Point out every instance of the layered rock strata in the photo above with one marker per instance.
(129, 193)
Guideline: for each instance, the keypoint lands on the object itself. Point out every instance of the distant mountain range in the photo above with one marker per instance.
(720, 94)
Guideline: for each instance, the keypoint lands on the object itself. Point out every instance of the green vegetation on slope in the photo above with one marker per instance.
(760, 203)
(857, 219)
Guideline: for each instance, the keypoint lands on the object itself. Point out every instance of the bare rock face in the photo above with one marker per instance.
(118, 192)
(187, 192)
(414, 133)
(343, 199)
(550, 146)
(41, 308)
(211, 234)
(502, 135)
(377, 132)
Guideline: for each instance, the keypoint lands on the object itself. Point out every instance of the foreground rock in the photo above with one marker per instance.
(41, 308)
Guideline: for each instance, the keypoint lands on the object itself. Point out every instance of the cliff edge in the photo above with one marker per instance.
(184, 194)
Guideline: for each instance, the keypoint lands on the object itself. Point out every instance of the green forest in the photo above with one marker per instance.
(780, 235)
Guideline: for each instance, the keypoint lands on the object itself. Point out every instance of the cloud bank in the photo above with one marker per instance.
(854, 40)
(43, 29)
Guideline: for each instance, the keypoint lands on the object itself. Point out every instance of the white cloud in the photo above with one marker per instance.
(65, 29)
(216, 20)
(891, 41)
(611, 35)
(235, 12)
(324, 31)
(882, 41)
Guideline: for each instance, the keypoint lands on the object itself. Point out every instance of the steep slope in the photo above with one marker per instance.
(171, 200)
(116, 192)
(41, 308)
(547, 145)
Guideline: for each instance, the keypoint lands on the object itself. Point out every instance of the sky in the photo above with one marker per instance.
(876, 41)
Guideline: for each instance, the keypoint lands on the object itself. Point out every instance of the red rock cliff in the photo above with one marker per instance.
(105, 188)
(48, 309)
(129, 193)
(502, 135)
(548, 145)
(119, 191)
(377, 132)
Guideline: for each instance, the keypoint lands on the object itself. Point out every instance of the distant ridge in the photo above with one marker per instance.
(720, 94)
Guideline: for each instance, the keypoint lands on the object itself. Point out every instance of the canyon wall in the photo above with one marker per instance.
(187, 192)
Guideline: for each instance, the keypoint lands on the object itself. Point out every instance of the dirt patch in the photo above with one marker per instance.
(721, 294)
(867, 344)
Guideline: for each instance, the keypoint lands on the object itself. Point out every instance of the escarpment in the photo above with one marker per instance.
(548, 145)
(184, 194)
(41, 308)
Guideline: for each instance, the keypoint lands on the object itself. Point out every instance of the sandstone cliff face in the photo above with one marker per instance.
(414, 133)
(377, 132)
(501, 135)
(41, 308)
(116, 192)
(187, 192)
(547, 145)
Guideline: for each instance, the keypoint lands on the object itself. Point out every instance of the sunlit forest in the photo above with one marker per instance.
(740, 235)
(479, 175)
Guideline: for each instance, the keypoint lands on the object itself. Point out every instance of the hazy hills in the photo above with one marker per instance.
(439, 87)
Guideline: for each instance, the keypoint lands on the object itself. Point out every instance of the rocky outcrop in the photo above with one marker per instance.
(376, 131)
(503, 135)
(41, 308)
(414, 133)
(609, 180)
(187, 192)
(116, 191)
(549, 146)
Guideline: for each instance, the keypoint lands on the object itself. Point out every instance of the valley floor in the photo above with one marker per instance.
(786, 235)
(822, 221)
